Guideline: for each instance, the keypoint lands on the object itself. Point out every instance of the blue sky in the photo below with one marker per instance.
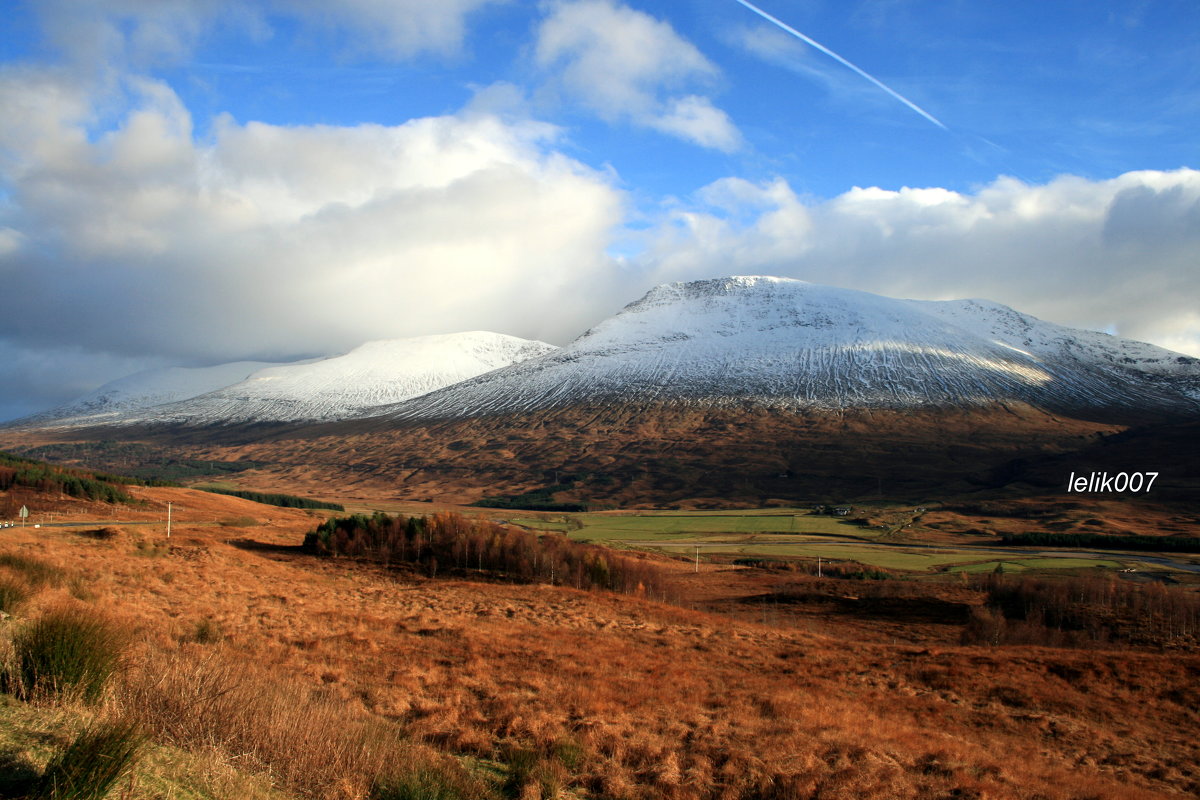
(194, 181)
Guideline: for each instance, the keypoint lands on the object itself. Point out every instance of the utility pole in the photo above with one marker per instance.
(168, 520)
(697, 558)
(818, 566)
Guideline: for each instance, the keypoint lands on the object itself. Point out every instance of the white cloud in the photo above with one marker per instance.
(696, 119)
(623, 64)
(44, 115)
(142, 245)
(270, 240)
(125, 242)
(1117, 254)
(396, 28)
(117, 34)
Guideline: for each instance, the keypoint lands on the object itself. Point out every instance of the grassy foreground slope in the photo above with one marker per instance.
(547, 691)
(210, 724)
(30, 735)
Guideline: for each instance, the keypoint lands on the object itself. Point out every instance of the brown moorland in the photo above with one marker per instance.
(605, 695)
(622, 456)
(667, 454)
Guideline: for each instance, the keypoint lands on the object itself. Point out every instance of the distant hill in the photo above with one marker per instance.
(341, 387)
(142, 390)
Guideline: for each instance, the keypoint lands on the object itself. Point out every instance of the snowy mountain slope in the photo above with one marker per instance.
(349, 385)
(134, 393)
(1049, 341)
(785, 343)
(758, 341)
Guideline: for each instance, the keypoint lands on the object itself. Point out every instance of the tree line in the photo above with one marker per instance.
(16, 471)
(277, 499)
(138, 464)
(1094, 609)
(449, 541)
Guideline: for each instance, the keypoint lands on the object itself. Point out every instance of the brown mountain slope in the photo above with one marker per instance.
(1171, 450)
(623, 455)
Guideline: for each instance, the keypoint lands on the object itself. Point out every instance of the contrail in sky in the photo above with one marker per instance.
(844, 62)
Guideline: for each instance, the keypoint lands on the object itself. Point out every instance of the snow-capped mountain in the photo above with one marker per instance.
(143, 390)
(355, 384)
(730, 342)
(785, 343)
(341, 387)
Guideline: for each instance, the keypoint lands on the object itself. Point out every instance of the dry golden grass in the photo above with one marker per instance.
(302, 736)
(612, 696)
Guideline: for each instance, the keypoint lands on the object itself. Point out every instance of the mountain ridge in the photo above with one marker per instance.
(789, 344)
(345, 386)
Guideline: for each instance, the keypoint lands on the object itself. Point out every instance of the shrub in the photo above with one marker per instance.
(530, 772)
(206, 631)
(64, 652)
(569, 753)
(103, 534)
(149, 549)
(36, 571)
(82, 589)
(88, 767)
(12, 594)
(425, 782)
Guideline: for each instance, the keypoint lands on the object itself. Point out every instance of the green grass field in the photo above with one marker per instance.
(885, 557)
(608, 527)
(778, 533)
(542, 524)
(782, 533)
(785, 533)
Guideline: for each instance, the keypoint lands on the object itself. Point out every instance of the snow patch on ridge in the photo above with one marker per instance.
(354, 384)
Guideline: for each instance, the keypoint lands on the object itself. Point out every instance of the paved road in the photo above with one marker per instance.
(87, 524)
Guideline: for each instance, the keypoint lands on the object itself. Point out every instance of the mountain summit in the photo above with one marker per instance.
(789, 344)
